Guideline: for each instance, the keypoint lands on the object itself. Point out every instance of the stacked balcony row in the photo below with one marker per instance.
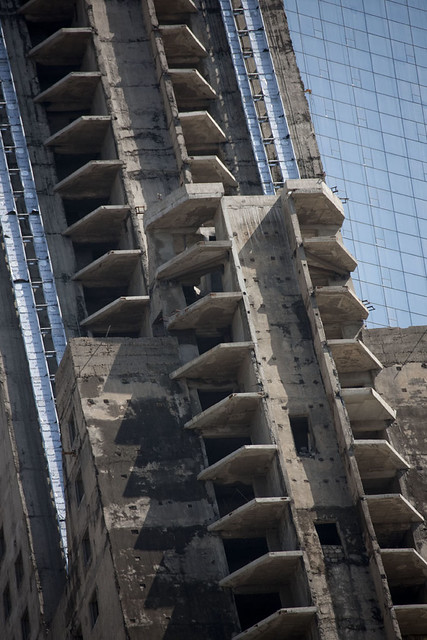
(316, 216)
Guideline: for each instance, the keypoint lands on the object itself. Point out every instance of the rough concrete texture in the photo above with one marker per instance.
(292, 380)
(403, 382)
(154, 566)
(27, 517)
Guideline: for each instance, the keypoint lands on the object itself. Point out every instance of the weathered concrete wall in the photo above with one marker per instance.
(403, 383)
(154, 566)
(27, 517)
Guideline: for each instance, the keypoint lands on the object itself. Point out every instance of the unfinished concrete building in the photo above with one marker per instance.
(232, 467)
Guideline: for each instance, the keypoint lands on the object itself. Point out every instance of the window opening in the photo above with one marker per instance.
(328, 533)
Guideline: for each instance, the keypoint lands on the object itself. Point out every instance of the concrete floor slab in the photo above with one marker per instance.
(211, 169)
(284, 623)
(166, 10)
(246, 462)
(103, 224)
(252, 519)
(392, 508)
(328, 253)
(412, 619)
(181, 45)
(198, 259)
(314, 202)
(192, 205)
(93, 180)
(124, 314)
(229, 417)
(404, 566)
(274, 568)
(365, 404)
(339, 304)
(64, 47)
(110, 270)
(200, 130)
(206, 316)
(74, 92)
(351, 355)
(222, 363)
(192, 91)
(45, 11)
(85, 135)
(378, 459)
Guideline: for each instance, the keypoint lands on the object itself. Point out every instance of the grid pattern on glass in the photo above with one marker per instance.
(365, 65)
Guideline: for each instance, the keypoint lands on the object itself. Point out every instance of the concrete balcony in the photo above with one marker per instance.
(338, 304)
(126, 314)
(314, 202)
(404, 566)
(214, 311)
(274, 568)
(229, 417)
(65, 47)
(202, 134)
(351, 355)
(74, 92)
(328, 254)
(104, 224)
(251, 520)
(392, 509)
(284, 623)
(378, 459)
(245, 463)
(200, 258)
(181, 45)
(211, 169)
(222, 363)
(113, 269)
(190, 206)
(84, 135)
(365, 405)
(412, 619)
(167, 10)
(192, 91)
(93, 180)
(46, 11)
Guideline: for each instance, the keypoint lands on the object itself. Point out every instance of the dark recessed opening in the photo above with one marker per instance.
(209, 398)
(301, 435)
(240, 551)
(205, 343)
(408, 594)
(254, 607)
(328, 533)
(232, 496)
(218, 448)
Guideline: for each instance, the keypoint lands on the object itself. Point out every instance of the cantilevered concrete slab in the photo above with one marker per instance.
(46, 11)
(404, 566)
(314, 202)
(392, 508)
(192, 91)
(110, 270)
(252, 519)
(93, 180)
(220, 363)
(84, 135)
(124, 314)
(213, 312)
(246, 462)
(274, 568)
(200, 130)
(284, 623)
(192, 205)
(211, 169)
(167, 10)
(74, 92)
(181, 45)
(198, 259)
(412, 619)
(339, 304)
(378, 459)
(101, 225)
(229, 417)
(365, 404)
(328, 253)
(351, 355)
(65, 47)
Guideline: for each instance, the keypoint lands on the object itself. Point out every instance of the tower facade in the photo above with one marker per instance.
(228, 468)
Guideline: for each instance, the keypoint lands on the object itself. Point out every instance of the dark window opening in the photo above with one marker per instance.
(232, 496)
(254, 607)
(394, 538)
(7, 603)
(218, 448)
(25, 626)
(301, 435)
(191, 294)
(72, 430)
(209, 398)
(408, 594)
(93, 609)
(86, 548)
(19, 569)
(240, 551)
(205, 343)
(328, 533)
(79, 488)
